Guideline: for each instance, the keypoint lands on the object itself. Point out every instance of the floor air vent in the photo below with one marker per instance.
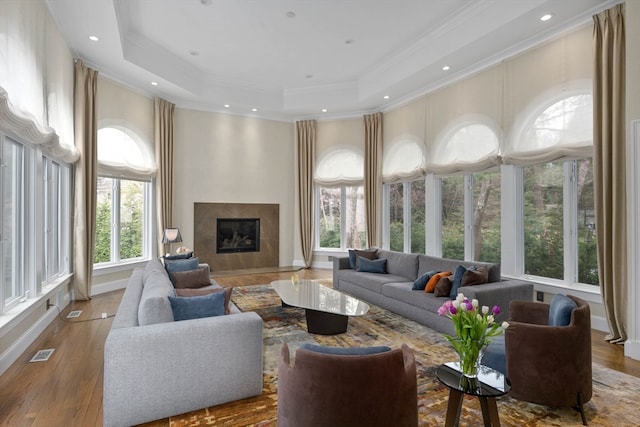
(74, 313)
(42, 355)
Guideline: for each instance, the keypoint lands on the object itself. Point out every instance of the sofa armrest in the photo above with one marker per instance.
(500, 294)
(159, 370)
(341, 263)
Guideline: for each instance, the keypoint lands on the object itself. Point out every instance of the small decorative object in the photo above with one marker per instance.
(294, 279)
(183, 250)
(475, 327)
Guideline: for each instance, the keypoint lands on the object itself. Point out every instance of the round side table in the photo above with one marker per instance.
(487, 386)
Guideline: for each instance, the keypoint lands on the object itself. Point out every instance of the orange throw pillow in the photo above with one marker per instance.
(431, 284)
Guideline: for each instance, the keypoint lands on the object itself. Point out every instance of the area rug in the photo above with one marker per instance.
(614, 400)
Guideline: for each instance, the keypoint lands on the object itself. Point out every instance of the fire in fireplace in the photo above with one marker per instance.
(238, 235)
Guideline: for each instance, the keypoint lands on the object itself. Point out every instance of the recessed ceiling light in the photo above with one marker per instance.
(254, 109)
(545, 17)
(290, 14)
(308, 76)
(154, 83)
(194, 53)
(206, 2)
(386, 97)
(226, 105)
(94, 38)
(324, 110)
(349, 41)
(446, 68)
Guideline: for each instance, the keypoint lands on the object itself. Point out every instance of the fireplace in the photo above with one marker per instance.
(238, 235)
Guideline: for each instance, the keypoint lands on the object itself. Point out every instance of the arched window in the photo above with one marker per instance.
(404, 161)
(465, 148)
(125, 170)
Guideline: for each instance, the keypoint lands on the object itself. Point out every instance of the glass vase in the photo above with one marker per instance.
(470, 355)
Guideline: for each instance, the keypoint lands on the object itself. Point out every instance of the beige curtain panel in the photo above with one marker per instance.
(373, 178)
(163, 141)
(306, 142)
(84, 218)
(609, 169)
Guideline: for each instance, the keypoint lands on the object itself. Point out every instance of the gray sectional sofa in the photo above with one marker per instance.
(393, 290)
(155, 367)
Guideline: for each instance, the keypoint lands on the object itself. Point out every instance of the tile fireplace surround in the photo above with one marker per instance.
(205, 216)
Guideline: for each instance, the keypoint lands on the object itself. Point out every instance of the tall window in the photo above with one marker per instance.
(55, 209)
(14, 199)
(406, 216)
(453, 217)
(486, 216)
(341, 217)
(123, 226)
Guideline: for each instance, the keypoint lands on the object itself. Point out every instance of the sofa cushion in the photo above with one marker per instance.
(431, 284)
(378, 266)
(401, 264)
(186, 292)
(177, 265)
(475, 276)
(421, 282)
(443, 288)
(197, 278)
(456, 281)
(154, 305)
(185, 308)
(560, 310)
(370, 281)
(402, 292)
(364, 253)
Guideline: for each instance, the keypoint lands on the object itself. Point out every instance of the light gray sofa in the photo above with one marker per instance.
(393, 290)
(155, 367)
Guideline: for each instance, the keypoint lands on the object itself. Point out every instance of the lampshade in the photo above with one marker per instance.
(171, 235)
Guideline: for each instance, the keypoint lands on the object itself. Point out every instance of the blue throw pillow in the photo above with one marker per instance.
(421, 282)
(185, 308)
(456, 282)
(174, 266)
(560, 310)
(372, 265)
(352, 259)
(349, 351)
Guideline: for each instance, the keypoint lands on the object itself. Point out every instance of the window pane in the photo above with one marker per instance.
(453, 217)
(51, 208)
(102, 252)
(417, 217)
(587, 255)
(329, 218)
(354, 215)
(486, 216)
(131, 219)
(13, 201)
(396, 217)
(543, 221)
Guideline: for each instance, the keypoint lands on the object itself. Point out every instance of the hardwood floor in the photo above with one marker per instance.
(67, 389)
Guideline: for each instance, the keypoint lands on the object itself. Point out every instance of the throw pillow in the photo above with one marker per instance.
(443, 288)
(560, 310)
(349, 351)
(431, 284)
(420, 283)
(173, 266)
(185, 308)
(372, 265)
(364, 253)
(197, 278)
(475, 276)
(457, 280)
(187, 292)
(185, 255)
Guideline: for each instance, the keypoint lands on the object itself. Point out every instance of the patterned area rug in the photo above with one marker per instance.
(613, 402)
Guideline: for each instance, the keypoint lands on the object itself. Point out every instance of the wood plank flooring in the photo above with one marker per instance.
(67, 390)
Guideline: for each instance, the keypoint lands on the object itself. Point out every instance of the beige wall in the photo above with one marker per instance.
(222, 158)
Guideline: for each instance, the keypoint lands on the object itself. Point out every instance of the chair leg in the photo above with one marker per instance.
(580, 408)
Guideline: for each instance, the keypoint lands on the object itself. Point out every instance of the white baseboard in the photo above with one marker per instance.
(108, 287)
(21, 344)
(322, 265)
(599, 324)
(632, 349)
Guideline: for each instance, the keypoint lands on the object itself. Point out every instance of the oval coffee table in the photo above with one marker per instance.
(327, 310)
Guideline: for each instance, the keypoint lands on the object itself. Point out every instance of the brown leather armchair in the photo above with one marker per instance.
(336, 390)
(549, 365)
